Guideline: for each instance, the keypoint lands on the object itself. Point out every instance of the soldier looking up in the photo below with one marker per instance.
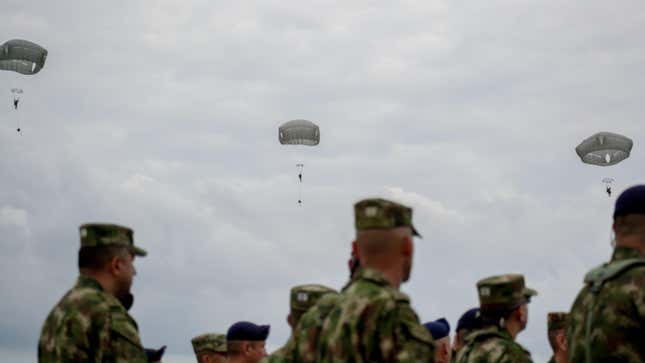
(440, 331)
(245, 342)
(556, 330)
(210, 348)
(607, 319)
(503, 304)
(90, 324)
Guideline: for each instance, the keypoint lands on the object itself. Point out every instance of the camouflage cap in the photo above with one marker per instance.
(101, 234)
(305, 296)
(557, 321)
(209, 342)
(502, 293)
(377, 213)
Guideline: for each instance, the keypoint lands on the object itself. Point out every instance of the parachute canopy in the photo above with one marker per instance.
(604, 149)
(22, 56)
(16, 91)
(299, 132)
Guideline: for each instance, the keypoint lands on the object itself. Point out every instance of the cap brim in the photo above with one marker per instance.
(528, 292)
(414, 232)
(139, 251)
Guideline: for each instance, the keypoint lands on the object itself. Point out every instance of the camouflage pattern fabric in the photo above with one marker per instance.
(492, 345)
(90, 325)
(104, 234)
(370, 321)
(209, 342)
(556, 321)
(377, 213)
(615, 316)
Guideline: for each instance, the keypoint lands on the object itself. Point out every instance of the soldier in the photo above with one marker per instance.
(503, 304)
(440, 331)
(210, 348)
(607, 320)
(90, 324)
(302, 297)
(371, 320)
(470, 321)
(556, 328)
(245, 342)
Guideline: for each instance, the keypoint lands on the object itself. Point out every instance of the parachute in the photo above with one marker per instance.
(22, 56)
(604, 149)
(299, 132)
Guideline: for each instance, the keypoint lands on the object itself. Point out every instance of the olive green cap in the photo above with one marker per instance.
(103, 234)
(377, 213)
(209, 342)
(305, 296)
(557, 321)
(502, 293)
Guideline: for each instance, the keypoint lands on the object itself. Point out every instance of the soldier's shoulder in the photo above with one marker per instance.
(490, 346)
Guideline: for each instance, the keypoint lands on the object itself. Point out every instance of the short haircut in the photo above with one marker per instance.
(96, 257)
(629, 224)
(234, 347)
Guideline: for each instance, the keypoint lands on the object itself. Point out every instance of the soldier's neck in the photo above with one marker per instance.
(560, 356)
(392, 273)
(513, 327)
(632, 241)
(105, 281)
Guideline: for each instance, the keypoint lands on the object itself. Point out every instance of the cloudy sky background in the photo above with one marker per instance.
(163, 116)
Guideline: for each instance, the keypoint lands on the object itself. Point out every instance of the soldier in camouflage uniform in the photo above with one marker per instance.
(503, 304)
(210, 348)
(90, 324)
(556, 330)
(469, 322)
(607, 320)
(301, 298)
(371, 320)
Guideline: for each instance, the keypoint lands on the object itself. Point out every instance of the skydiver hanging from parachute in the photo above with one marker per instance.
(605, 149)
(22, 57)
(299, 132)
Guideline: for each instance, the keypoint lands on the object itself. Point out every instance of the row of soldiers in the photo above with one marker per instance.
(370, 319)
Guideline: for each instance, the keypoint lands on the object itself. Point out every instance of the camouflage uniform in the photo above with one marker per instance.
(612, 307)
(371, 320)
(209, 342)
(556, 321)
(494, 344)
(301, 299)
(88, 324)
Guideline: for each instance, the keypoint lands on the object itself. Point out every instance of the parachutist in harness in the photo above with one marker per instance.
(608, 191)
(15, 103)
(300, 177)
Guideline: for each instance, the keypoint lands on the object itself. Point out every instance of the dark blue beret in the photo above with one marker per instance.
(438, 329)
(244, 330)
(470, 320)
(631, 201)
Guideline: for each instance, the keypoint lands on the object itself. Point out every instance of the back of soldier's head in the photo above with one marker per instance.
(101, 242)
(502, 295)
(556, 326)
(381, 223)
(209, 347)
(629, 215)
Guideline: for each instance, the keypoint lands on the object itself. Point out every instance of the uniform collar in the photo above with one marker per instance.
(88, 282)
(624, 253)
(365, 273)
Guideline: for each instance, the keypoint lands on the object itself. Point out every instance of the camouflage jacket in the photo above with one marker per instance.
(89, 325)
(492, 345)
(614, 315)
(370, 321)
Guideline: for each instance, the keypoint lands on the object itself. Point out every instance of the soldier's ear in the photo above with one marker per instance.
(407, 247)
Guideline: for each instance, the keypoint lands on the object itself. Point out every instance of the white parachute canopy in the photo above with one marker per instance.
(299, 132)
(604, 149)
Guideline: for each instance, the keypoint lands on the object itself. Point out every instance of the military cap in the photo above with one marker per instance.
(209, 342)
(438, 329)
(557, 321)
(470, 320)
(498, 294)
(244, 330)
(377, 213)
(102, 234)
(305, 296)
(631, 201)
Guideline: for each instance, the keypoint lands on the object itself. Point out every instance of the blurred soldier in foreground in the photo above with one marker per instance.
(440, 331)
(90, 323)
(607, 320)
(469, 322)
(245, 342)
(210, 348)
(503, 304)
(302, 298)
(556, 328)
(371, 320)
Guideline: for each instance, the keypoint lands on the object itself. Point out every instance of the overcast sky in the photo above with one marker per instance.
(163, 116)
